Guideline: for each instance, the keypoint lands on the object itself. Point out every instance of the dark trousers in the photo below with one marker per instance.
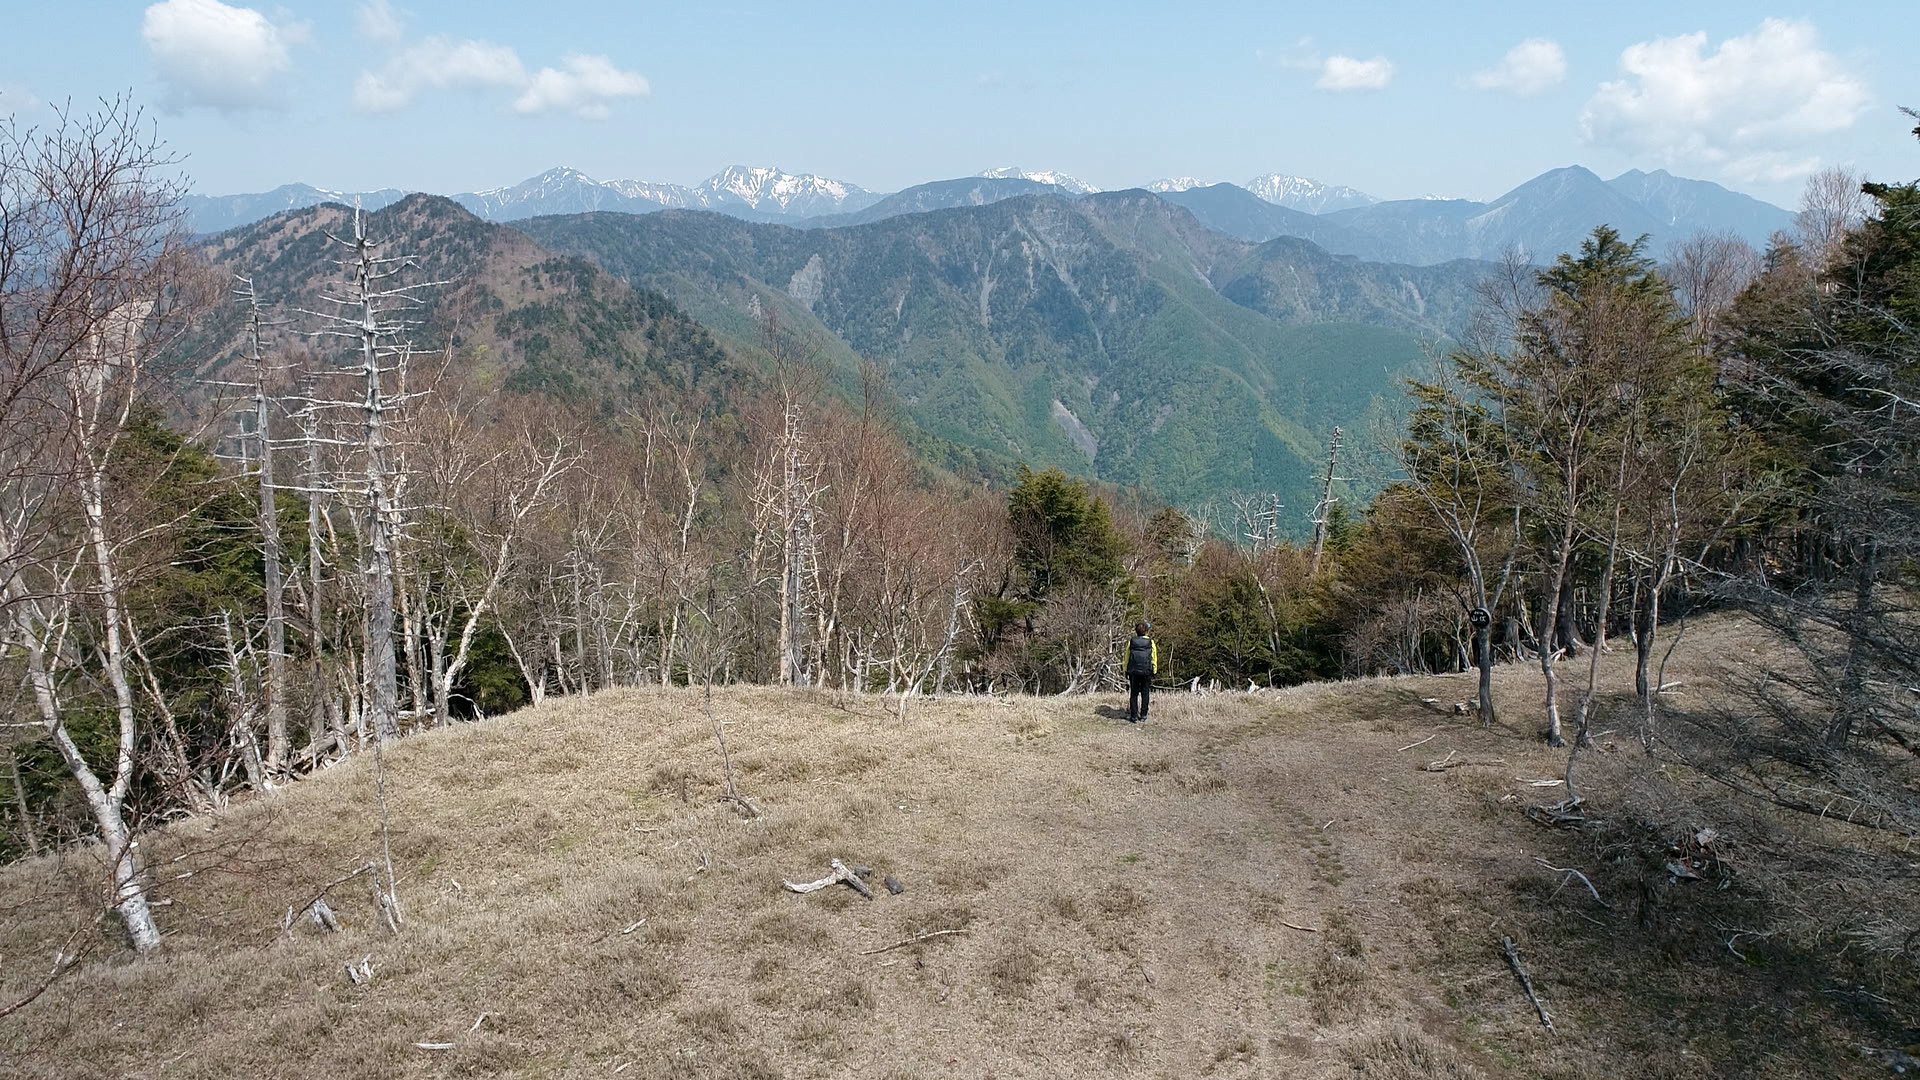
(1139, 689)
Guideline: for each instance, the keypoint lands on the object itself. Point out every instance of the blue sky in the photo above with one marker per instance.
(1463, 99)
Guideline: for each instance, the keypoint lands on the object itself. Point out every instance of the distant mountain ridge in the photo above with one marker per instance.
(1292, 192)
(1045, 176)
(1111, 334)
(757, 193)
(1312, 196)
(1541, 218)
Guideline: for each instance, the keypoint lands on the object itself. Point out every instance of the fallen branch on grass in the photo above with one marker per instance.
(1451, 762)
(1422, 742)
(840, 875)
(914, 940)
(1560, 815)
(623, 931)
(1297, 926)
(322, 914)
(1526, 984)
(63, 962)
(1571, 874)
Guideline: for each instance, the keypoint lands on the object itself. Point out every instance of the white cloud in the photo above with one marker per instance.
(1529, 68)
(213, 55)
(1750, 108)
(1347, 73)
(379, 22)
(16, 99)
(584, 85)
(438, 64)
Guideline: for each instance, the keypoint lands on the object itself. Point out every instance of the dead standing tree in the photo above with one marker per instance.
(259, 454)
(1323, 510)
(787, 494)
(364, 313)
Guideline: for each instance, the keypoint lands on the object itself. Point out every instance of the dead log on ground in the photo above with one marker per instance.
(1526, 984)
(840, 875)
(1561, 815)
(1453, 762)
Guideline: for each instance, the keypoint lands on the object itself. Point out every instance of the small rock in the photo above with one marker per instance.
(893, 885)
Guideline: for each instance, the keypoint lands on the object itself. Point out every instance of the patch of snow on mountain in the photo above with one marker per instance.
(761, 188)
(1302, 193)
(1057, 179)
(1179, 183)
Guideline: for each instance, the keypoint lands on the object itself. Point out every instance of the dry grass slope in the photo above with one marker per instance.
(1132, 897)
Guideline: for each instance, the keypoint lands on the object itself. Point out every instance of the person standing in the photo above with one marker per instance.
(1143, 663)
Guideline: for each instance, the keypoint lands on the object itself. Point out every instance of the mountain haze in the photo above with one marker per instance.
(943, 195)
(1044, 176)
(756, 193)
(1543, 217)
(1550, 214)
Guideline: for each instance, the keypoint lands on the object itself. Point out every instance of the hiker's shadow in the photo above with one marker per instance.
(1109, 712)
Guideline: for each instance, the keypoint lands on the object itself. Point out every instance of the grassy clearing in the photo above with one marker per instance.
(1132, 899)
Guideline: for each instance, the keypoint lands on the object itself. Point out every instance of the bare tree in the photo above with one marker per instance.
(271, 552)
(1708, 270)
(787, 494)
(489, 481)
(1831, 204)
(93, 286)
(369, 310)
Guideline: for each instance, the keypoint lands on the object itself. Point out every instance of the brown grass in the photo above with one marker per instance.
(1126, 891)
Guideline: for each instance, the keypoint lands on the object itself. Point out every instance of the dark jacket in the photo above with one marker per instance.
(1143, 656)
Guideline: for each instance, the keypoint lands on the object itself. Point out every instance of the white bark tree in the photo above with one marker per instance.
(368, 309)
(92, 288)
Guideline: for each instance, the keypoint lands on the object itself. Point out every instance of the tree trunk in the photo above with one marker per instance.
(275, 580)
(317, 690)
(1483, 658)
(443, 677)
(271, 554)
(106, 803)
(1853, 674)
(414, 621)
(27, 829)
(379, 676)
(1549, 615)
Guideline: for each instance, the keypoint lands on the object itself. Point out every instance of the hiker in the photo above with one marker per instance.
(1143, 663)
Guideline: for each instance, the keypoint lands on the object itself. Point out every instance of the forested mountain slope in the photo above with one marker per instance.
(1111, 334)
(513, 313)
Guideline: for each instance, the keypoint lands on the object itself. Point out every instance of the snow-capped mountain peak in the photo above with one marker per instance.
(1311, 196)
(1179, 183)
(1057, 179)
(547, 183)
(764, 188)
